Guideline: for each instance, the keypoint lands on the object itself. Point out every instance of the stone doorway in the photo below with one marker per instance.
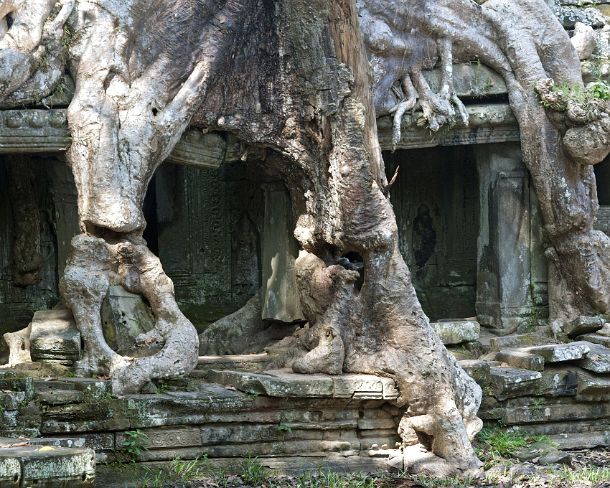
(436, 201)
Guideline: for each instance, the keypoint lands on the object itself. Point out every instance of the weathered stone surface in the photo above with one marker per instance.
(282, 383)
(537, 410)
(457, 331)
(10, 472)
(279, 250)
(54, 337)
(250, 363)
(602, 340)
(557, 381)
(593, 387)
(556, 353)
(167, 437)
(50, 466)
(512, 382)
(519, 340)
(583, 325)
(124, 317)
(555, 457)
(597, 359)
(521, 359)
(478, 370)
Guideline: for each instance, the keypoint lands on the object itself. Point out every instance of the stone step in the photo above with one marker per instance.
(597, 358)
(25, 465)
(250, 363)
(457, 331)
(54, 337)
(521, 359)
(282, 383)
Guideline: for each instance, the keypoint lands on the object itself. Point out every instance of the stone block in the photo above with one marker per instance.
(512, 382)
(597, 359)
(519, 340)
(54, 337)
(10, 472)
(167, 438)
(538, 410)
(521, 359)
(50, 466)
(478, 369)
(277, 383)
(583, 325)
(124, 317)
(557, 381)
(593, 388)
(602, 340)
(457, 331)
(556, 353)
(60, 397)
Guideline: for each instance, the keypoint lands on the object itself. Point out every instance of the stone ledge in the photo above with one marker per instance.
(285, 384)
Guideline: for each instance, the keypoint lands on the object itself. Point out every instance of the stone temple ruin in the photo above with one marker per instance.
(469, 229)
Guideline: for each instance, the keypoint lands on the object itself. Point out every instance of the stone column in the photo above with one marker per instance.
(504, 259)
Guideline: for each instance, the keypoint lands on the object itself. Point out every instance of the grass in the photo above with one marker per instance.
(588, 474)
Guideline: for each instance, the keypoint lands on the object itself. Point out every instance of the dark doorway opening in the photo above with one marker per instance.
(436, 201)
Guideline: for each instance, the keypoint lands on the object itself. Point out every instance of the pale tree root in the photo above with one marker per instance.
(19, 346)
(443, 423)
(94, 265)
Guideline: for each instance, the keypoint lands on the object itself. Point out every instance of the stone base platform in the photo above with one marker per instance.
(343, 417)
(25, 463)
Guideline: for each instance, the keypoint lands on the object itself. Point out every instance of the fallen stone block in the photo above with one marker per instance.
(602, 340)
(478, 369)
(46, 466)
(556, 353)
(521, 359)
(520, 340)
(54, 337)
(457, 331)
(512, 382)
(583, 325)
(592, 387)
(597, 359)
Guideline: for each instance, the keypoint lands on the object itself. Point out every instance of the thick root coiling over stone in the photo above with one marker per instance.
(32, 57)
(94, 265)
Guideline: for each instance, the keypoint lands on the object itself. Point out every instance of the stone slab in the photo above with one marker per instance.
(457, 331)
(283, 383)
(602, 340)
(583, 325)
(593, 388)
(597, 359)
(521, 359)
(540, 410)
(514, 341)
(50, 466)
(556, 353)
(478, 370)
(54, 337)
(512, 382)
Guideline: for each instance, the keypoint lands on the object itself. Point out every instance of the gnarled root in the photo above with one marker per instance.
(395, 345)
(32, 57)
(19, 346)
(94, 265)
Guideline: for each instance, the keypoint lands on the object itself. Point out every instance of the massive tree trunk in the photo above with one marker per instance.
(524, 42)
(292, 77)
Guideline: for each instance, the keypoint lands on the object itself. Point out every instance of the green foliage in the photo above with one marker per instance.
(565, 93)
(589, 474)
(330, 479)
(495, 442)
(253, 473)
(134, 444)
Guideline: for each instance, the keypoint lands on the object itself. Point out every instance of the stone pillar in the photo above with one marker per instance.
(504, 260)
(279, 251)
